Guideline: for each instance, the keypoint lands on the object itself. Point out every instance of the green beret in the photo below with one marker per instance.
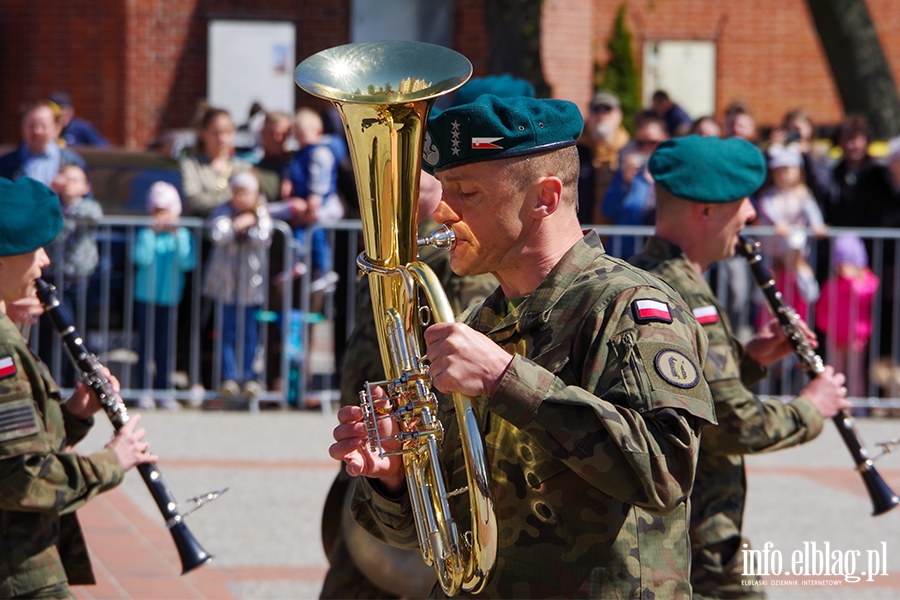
(32, 216)
(708, 169)
(503, 86)
(492, 128)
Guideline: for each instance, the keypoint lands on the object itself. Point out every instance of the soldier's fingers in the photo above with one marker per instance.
(349, 414)
(343, 449)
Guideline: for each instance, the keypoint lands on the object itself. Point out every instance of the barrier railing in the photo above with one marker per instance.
(304, 321)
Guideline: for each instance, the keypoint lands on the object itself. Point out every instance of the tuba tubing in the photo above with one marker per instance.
(190, 552)
(883, 498)
(384, 92)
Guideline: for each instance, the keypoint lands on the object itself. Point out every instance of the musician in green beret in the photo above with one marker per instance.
(703, 186)
(41, 482)
(584, 370)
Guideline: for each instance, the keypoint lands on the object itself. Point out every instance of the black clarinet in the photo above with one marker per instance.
(190, 551)
(883, 498)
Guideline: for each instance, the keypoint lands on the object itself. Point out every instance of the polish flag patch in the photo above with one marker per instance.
(646, 311)
(706, 314)
(7, 367)
(486, 143)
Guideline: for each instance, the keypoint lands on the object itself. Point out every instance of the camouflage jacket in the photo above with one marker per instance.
(591, 436)
(41, 485)
(362, 361)
(746, 424)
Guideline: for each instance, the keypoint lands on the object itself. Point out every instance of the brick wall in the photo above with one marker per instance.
(135, 67)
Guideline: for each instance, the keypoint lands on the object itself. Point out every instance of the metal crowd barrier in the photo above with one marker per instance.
(304, 327)
(104, 310)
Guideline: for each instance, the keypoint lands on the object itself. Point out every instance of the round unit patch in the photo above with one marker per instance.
(676, 368)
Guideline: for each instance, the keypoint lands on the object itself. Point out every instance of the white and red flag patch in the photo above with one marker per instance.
(706, 314)
(648, 310)
(486, 143)
(7, 367)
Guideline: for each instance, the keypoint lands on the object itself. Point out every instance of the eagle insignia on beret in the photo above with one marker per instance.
(430, 153)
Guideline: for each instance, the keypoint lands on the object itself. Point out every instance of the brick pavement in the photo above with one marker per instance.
(265, 530)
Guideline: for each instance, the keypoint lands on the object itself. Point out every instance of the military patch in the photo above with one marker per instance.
(676, 368)
(18, 419)
(647, 310)
(7, 367)
(706, 315)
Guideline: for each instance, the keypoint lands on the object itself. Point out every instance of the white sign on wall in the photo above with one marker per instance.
(251, 61)
(686, 70)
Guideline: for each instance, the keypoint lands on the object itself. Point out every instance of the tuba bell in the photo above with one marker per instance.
(384, 92)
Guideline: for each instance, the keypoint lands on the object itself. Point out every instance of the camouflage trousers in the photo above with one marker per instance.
(717, 571)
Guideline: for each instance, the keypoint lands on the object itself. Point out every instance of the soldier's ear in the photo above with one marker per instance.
(547, 197)
(703, 213)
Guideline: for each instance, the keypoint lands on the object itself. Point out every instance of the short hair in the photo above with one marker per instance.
(738, 107)
(647, 117)
(852, 126)
(274, 116)
(797, 113)
(35, 104)
(660, 95)
(521, 171)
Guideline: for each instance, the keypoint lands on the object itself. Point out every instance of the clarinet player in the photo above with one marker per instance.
(702, 204)
(42, 550)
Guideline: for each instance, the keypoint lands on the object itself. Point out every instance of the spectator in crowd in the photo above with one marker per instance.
(677, 121)
(162, 255)
(74, 257)
(599, 148)
(797, 131)
(272, 167)
(241, 232)
(311, 185)
(842, 203)
(739, 122)
(844, 311)
(75, 130)
(205, 172)
(789, 206)
(39, 156)
(631, 199)
(706, 127)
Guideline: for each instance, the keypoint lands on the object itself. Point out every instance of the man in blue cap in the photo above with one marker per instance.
(41, 481)
(586, 373)
(702, 189)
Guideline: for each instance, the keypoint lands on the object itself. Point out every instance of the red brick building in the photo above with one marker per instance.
(136, 67)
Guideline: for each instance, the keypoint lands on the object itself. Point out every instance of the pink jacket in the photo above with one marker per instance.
(849, 323)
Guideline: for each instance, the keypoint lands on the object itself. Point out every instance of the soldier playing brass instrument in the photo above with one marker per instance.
(585, 371)
(42, 483)
(702, 189)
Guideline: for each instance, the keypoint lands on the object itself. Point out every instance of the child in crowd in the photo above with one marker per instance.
(311, 185)
(844, 310)
(73, 255)
(163, 253)
(241, 232)
(789, 206)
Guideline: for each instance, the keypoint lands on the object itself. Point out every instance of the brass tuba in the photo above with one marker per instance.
(384, 92)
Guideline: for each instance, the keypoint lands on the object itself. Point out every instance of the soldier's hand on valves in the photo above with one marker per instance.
(352, 446)
(770, 345)
(84, 402)
(129, 445)
(463, 360)
(827, 392)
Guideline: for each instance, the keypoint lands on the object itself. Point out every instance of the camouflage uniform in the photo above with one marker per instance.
(591, 445)
(41, 485)
(746, 425)
(362, 363)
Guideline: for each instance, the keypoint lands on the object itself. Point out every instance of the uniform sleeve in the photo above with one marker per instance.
(36, 474)
(746, 423)
(631, 429)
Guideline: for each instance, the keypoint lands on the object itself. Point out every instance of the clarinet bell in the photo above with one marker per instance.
(190, 551)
